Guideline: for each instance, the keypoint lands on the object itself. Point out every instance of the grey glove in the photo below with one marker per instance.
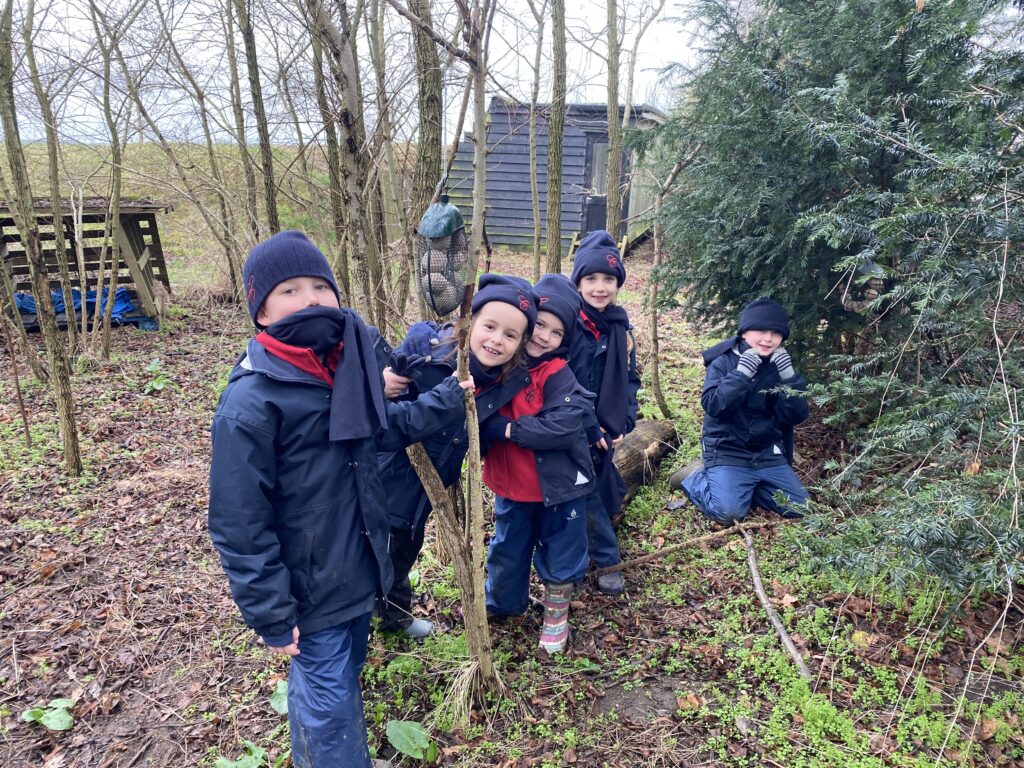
(780, 357)
(749, 361)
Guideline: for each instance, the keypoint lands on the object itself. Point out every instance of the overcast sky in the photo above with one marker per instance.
(665, 42)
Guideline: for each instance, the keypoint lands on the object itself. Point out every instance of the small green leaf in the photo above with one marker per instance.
(408, 737)
(57, 719)
(279, 701)
(32, 715)
(154, 366)
(255, 757)
(61, 704)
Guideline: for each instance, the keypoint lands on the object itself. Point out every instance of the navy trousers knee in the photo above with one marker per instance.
(602, 544)
(325, 703)
(554, 537)
(726, 493)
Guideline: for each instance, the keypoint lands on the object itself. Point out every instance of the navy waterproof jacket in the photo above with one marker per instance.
(587, 357)
(557, 439)
(299, 520)
(747, 422)
(408, 505)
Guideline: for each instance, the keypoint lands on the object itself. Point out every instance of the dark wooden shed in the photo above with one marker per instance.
(142, 271)
(584, 174)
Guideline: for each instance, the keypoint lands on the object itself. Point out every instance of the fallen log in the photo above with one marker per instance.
(638, 455)
(641, 451)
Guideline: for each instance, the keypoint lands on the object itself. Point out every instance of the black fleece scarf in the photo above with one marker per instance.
(613, 395)
(357, 403)
(483, 377)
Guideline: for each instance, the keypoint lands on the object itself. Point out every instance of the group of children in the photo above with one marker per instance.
(314, 506)
(317, 512)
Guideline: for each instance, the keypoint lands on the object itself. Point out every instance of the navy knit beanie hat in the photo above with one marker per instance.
(764, 315)
(598, 252)
(556, 294)
(511, 290)
(280, 257)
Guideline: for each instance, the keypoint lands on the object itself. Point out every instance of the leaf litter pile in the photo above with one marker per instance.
(120, 645)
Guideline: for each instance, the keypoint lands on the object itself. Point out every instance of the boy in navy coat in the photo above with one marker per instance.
(749, 415)
(297, 511)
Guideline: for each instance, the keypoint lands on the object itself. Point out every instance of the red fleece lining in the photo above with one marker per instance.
(303, 358)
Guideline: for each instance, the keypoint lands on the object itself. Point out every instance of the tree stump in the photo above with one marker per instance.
(637, 457)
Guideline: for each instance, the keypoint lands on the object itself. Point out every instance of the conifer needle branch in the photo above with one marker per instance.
(780, 630)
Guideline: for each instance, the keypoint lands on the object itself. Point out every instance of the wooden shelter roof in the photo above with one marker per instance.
(93, 204)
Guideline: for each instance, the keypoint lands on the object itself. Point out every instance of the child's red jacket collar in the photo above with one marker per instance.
(303, 358)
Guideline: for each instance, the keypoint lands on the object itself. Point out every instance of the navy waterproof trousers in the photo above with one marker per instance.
(602, 544)
(554, 537)
(726, 493)
(325, 703)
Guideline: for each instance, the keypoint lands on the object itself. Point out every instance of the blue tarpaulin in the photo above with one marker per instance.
(122, 303)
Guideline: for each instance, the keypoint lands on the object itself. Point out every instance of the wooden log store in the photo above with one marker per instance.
(142, 269)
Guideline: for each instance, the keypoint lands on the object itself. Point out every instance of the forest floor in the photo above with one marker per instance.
(112, 596)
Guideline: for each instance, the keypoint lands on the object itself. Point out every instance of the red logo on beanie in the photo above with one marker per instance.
(543, 300)
(524, 303)
(613, 262)
(250, 292)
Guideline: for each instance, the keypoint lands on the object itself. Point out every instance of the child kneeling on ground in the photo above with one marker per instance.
(297, 511)
(747, 438)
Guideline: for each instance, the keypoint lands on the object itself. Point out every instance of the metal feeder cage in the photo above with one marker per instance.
(442, 257)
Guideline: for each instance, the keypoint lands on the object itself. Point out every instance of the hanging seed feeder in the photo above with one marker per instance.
(442, 257)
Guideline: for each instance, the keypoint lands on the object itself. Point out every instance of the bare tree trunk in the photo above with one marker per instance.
(652, 296)
(390, 184)
(359, 224)
(538, 17)
(469, 539)
(556, 129)
(430, 108)
(132, 89)
(52, 148)
(652, 301)
(227, 236)
(428, 99)
(478, 633)
(107, 37)
(15, 381)
(613, 216)
(7, 300)
(262, 127)
(25, 219)
(333, 162)
(645, 23)
(239, 114)
(312, 205)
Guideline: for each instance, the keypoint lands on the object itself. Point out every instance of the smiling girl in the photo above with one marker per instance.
(538, 465)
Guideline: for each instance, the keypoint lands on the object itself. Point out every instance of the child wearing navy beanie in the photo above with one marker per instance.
(538, 465)
(297, 512)
(749, 415)
(603, 358)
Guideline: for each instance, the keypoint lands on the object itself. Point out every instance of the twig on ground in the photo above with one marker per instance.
(780, 630)
(688, 543)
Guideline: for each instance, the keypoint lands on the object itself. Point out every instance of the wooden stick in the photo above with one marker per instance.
(15, 380)
(688, 543)
(780, 630)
